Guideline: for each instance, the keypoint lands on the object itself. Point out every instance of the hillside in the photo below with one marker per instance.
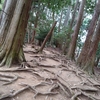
(47, 76)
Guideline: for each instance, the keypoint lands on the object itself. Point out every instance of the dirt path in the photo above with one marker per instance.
(47, 76)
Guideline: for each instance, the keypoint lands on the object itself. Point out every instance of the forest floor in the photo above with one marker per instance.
(47, 76)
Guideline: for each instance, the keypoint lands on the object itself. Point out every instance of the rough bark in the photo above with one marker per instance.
(12, 47)
(72, 47)
(86, 47)
(91, 55)
(47, 37)
(6, 16)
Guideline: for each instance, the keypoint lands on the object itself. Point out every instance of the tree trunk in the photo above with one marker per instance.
(60, 21)
(47, 37)
(87, 45)
(74, 13)
(67, 16)
(35, 26)
(12, 50)
(29, 26)
(28, 32)
(68, 38)
(72, 47)
(6, 17)
(91, 55)
(53, 18)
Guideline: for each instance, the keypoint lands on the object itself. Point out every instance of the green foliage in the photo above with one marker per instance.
(41, 34)
(1, 3)
(90, 4)
(79, 41)
(55, 5)
(86, 22)
(60, 38)
(46, 8)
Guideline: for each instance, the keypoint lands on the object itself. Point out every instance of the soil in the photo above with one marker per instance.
(47, 76)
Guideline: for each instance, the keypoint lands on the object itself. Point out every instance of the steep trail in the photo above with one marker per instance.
(47, 76)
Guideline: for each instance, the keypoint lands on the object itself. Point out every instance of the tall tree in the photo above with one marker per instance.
(90, 60)
(68, 38)
(38, 8)
(72, 47)
(35, 26)
(48, 36)
(6, 17)
(82, 60)
(12, 48)
(67, 16)
(60, 20)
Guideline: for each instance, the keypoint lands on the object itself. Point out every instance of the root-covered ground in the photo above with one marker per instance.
(47, 76)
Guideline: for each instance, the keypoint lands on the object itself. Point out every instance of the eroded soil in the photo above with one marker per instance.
(47, 76)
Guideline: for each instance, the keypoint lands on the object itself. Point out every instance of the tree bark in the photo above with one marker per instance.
(35, 26)
(91, 55)
(87, 45)
(71, 52)
(6, 17)
(47, 37)
(12, 50)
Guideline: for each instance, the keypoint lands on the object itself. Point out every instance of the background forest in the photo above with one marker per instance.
(75, 33)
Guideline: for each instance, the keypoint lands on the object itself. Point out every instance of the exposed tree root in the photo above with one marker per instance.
(55, 86)
(10, 95)
(6, 75)
(37, 75)
(11, 81)
(92, 97)
(45, 93)
(39, 64)
(8, 78)
(74, 97)
(85, 88)
(63, 84)
(3, 79)
(63, 88)
(16, 69)
(40, 93)
(37, 85)
(94, 82)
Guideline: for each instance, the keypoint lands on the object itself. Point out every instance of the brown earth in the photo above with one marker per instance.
(47, 76)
